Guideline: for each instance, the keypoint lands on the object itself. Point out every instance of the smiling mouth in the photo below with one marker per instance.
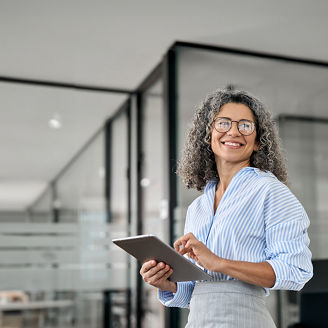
(233, 144)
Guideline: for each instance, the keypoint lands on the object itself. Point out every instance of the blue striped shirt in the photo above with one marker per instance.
(258, 219)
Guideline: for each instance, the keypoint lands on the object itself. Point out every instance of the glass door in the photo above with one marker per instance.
(153, 203)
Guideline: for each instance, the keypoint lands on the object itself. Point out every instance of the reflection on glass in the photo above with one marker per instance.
(119, 301)
(42, 209)
(287, 88)
(152, 184)
(307, 154)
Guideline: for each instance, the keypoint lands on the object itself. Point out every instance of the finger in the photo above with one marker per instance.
(167, 274)
(189, 244)
(181, 241)
(191, 255)
(155, 276)
(182, 246)
(187, 247)
(177, 244)
(147, 266)
(184, 251)
(153, 271)
(161, 275)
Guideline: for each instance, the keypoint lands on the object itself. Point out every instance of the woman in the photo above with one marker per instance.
(247, 230)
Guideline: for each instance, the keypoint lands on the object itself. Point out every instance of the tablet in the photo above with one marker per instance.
(149, 247)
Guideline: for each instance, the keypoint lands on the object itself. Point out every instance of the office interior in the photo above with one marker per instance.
(58, 252)
(108, 171)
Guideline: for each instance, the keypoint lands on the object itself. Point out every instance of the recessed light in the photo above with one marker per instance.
(55, 121)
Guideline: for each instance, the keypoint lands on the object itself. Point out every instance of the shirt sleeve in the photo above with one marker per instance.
(287, 241)
(184, 289)
(179, 299)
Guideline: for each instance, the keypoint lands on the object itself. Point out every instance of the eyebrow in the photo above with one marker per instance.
(243, 119)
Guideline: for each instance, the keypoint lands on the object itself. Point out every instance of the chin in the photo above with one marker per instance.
(234, 159)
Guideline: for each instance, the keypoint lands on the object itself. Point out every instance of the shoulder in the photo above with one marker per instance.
(269, 182)
(280, 203)
(272, 190)
(253, 181)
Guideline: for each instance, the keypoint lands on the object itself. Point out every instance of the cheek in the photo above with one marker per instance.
(212, 139)
(215, 138)
(253, 143)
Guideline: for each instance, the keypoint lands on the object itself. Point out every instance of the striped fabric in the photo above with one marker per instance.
(258, 219)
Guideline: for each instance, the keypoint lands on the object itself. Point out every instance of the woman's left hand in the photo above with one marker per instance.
(196, 250)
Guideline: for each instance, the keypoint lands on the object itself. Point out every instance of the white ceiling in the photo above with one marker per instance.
(115, 44)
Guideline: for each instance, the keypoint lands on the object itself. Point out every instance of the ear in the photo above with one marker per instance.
(256, 146)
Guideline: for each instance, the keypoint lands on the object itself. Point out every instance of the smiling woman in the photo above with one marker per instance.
(247, 230)
(198, 164)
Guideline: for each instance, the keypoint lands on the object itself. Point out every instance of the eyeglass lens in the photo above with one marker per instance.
(245, 127)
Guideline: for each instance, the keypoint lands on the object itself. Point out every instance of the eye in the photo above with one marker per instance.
(224, 124)
(245, 125)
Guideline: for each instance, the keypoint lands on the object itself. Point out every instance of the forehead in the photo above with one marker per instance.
(235, 111)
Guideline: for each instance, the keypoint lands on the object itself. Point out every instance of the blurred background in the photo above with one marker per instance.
(96, 98)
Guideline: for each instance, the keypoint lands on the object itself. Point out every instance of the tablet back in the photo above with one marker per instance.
(149, 247)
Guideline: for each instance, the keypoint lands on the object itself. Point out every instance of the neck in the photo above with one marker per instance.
(226, 172)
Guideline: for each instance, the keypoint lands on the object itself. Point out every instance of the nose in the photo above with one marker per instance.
(234, 132)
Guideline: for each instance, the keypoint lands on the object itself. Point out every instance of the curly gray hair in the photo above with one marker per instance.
(198, 166)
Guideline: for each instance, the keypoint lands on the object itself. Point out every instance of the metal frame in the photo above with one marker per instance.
(172, 315)
(302, 118)
(63, 85)
(244, 52)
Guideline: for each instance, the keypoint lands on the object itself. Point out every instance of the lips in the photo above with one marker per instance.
(232, 143)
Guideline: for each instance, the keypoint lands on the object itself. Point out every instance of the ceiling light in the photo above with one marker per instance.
(55, 121)
(145, 182)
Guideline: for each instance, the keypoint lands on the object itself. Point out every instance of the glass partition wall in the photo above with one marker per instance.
(91, 206)
(189, 72)
(124, 183)
(57, 253)
(304, 140)
(118, 297)
(288, 87)
(153, 216)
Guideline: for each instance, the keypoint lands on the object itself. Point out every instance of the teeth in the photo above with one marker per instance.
(232, 144)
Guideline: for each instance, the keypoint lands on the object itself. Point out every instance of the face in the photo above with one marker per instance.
(232, 146)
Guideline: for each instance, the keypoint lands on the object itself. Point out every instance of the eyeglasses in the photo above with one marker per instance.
(224, 124)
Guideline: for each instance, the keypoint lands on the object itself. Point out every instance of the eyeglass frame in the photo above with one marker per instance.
(231, 121)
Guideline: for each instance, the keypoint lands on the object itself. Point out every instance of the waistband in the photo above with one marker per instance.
(228, 286)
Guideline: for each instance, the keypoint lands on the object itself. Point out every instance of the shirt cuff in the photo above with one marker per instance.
(286, 276)
(179, 299)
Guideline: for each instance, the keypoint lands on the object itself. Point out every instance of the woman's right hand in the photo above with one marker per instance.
(157, 274)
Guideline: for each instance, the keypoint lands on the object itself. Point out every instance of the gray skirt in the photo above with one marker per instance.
(228, 304)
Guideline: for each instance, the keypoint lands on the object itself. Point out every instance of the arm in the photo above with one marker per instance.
(287, 243)
(288, 258)
(260, 274)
